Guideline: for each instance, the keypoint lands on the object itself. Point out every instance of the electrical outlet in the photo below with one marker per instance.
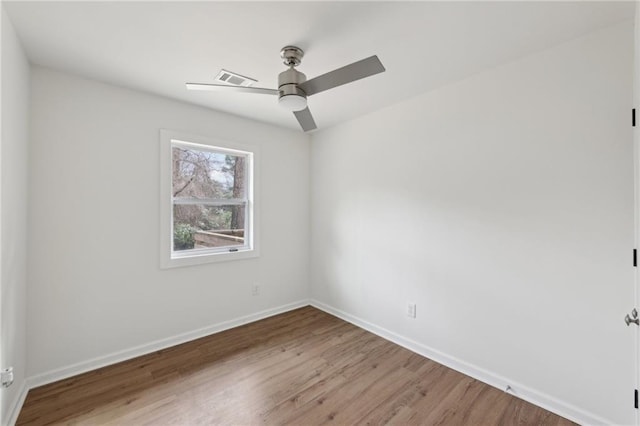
(411, 310)
(6, 377)
(255, 289)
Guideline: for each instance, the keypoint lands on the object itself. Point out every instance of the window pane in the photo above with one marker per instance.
(207, 174)
(199, 226)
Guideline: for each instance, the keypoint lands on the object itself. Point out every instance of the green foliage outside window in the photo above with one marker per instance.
(183, 236)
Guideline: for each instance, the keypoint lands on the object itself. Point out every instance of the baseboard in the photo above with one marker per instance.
(16, 405)
(103, 361)
(533, 396)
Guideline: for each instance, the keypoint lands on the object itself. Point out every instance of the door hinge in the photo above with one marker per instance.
(633, 117)
(635, 398)
(635, 257)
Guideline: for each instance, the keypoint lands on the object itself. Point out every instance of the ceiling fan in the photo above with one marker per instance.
(293, 86)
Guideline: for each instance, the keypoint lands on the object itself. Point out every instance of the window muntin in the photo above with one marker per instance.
(210, 199)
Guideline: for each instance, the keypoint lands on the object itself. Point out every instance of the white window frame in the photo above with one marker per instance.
(170, 258)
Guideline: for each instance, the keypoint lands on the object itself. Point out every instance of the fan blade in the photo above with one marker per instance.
(355, 71)
(221, 87)
(305, 119)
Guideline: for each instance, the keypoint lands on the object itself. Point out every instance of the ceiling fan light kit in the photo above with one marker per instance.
(293, 102)
(293, 86)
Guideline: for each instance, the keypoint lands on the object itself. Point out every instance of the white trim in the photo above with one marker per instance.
(126, 354)
(636, 192)
(16, 406)
(533, 396)
(206, 144)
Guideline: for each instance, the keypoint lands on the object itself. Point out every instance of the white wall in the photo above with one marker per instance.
(503, 207)
(13, 190)
(95, 285)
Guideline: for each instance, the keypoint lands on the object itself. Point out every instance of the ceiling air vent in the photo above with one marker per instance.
(234, 79)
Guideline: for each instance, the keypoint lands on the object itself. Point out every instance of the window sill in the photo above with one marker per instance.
(204, 258)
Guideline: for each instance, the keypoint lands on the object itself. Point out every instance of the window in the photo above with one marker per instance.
(208, 209)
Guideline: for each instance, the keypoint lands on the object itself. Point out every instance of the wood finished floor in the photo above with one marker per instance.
(304, 367)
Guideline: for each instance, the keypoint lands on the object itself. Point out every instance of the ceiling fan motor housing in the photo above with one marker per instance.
(291, 96)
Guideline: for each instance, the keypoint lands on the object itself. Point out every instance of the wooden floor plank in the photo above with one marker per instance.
(304, 367)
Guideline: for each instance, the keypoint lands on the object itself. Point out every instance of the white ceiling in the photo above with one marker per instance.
(158, 46)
